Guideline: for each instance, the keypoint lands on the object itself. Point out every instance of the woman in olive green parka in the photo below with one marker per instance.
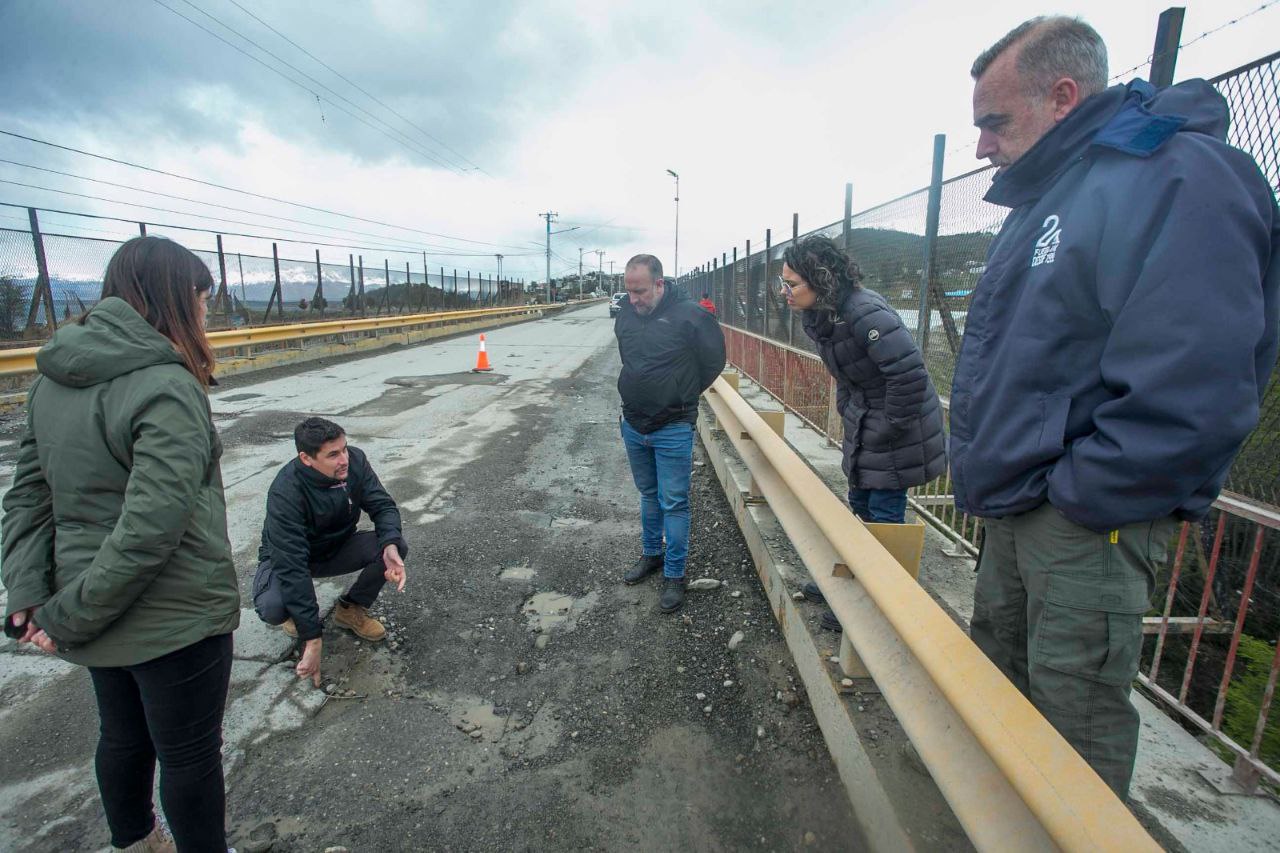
(115, 553)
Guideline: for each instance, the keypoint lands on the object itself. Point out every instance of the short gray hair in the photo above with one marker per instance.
(1050, 48)
(653, 264)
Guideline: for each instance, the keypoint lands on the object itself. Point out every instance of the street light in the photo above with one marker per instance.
(677, 258)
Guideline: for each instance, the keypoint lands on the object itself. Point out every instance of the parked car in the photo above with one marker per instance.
(615, 303)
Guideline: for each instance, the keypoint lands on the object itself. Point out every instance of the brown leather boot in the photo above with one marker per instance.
(158, 841)
(289, 628)
(356, 619)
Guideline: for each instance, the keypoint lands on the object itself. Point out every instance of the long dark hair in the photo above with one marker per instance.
(163, 281)
(826, 268)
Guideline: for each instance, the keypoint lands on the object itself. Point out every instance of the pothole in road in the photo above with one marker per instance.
(517, 573)
(547, 610)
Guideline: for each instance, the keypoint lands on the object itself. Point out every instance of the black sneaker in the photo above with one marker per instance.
(812, 593)
(672, 598)
(830, 622)
(644, 567)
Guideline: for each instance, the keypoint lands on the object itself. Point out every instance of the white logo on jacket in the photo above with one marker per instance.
(1047, 246)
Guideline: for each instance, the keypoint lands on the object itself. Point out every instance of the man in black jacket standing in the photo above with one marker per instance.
(672, 350)
(313, 508)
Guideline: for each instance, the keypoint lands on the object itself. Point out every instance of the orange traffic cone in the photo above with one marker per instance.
(482, 359)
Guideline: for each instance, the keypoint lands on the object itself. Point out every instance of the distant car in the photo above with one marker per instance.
(615, 304)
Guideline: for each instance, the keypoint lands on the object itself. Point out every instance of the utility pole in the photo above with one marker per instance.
(610, 279)
(579, 269)
(599, 265)
(499, 257)
(550, 216)
(677, 258)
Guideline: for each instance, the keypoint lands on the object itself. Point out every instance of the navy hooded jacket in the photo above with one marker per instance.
(1122, 335)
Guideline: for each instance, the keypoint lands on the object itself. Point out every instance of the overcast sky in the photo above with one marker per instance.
(506, 110)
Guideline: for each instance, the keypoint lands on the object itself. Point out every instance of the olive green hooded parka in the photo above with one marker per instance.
(115, 526)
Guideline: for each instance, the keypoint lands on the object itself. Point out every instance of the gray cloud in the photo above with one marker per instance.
(129, 69)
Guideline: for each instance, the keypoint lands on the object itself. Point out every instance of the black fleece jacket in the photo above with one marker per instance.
(309, 517)
(669, 357)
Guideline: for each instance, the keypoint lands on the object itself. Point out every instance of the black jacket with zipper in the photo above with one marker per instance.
(669, 357)
(309, 517)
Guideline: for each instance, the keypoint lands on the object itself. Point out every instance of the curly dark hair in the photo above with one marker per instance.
(826, 268)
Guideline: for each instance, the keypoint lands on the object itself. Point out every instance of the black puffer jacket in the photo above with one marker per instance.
(893, 435)
(669, 357)
(310, 516)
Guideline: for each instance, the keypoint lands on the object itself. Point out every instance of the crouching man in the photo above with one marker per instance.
(313, 507)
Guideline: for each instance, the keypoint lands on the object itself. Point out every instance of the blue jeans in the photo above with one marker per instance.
(883, 506)
(661, 462)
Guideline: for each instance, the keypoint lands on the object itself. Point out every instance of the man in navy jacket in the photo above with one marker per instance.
(1114, 359)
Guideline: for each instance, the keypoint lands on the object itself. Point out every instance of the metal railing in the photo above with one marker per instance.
(1221, 617)
(1011, 779)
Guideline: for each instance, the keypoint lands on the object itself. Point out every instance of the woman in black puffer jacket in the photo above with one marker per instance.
(893, 433)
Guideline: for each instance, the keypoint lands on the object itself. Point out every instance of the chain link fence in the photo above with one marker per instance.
(891, 241)
(48, 278)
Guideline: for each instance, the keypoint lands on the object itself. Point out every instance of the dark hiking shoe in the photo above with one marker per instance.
(830, 622)
(672, 598)
(812, 593)
(644, 567)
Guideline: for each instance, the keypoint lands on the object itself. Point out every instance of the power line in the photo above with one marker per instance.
(411, 246)
(404, 141)
(360, 89)
(253, 194)
(268, 238)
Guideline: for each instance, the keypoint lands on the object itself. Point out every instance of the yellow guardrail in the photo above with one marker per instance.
(1010, 778)
(15, 362)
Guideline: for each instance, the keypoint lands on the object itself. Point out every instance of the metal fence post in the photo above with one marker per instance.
(386, 288)
(223, 297)
(317, 298)
(746, 286)
(923, 320)
(1164, 56)
(716, 296)
(733, 288)
(791, 315)
(443, 305)
(468, 288)
(43, 290)
(455, 287)
(848, 216)
(360, 292)
(768, 280)
(351, 293)
(277, 294)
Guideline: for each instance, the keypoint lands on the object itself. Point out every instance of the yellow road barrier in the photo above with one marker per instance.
(18, 361)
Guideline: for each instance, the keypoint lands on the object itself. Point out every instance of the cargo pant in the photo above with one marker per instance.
(1059, 609)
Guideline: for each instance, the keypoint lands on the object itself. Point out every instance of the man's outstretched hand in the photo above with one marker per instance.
(309, 666)
(395, 567)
